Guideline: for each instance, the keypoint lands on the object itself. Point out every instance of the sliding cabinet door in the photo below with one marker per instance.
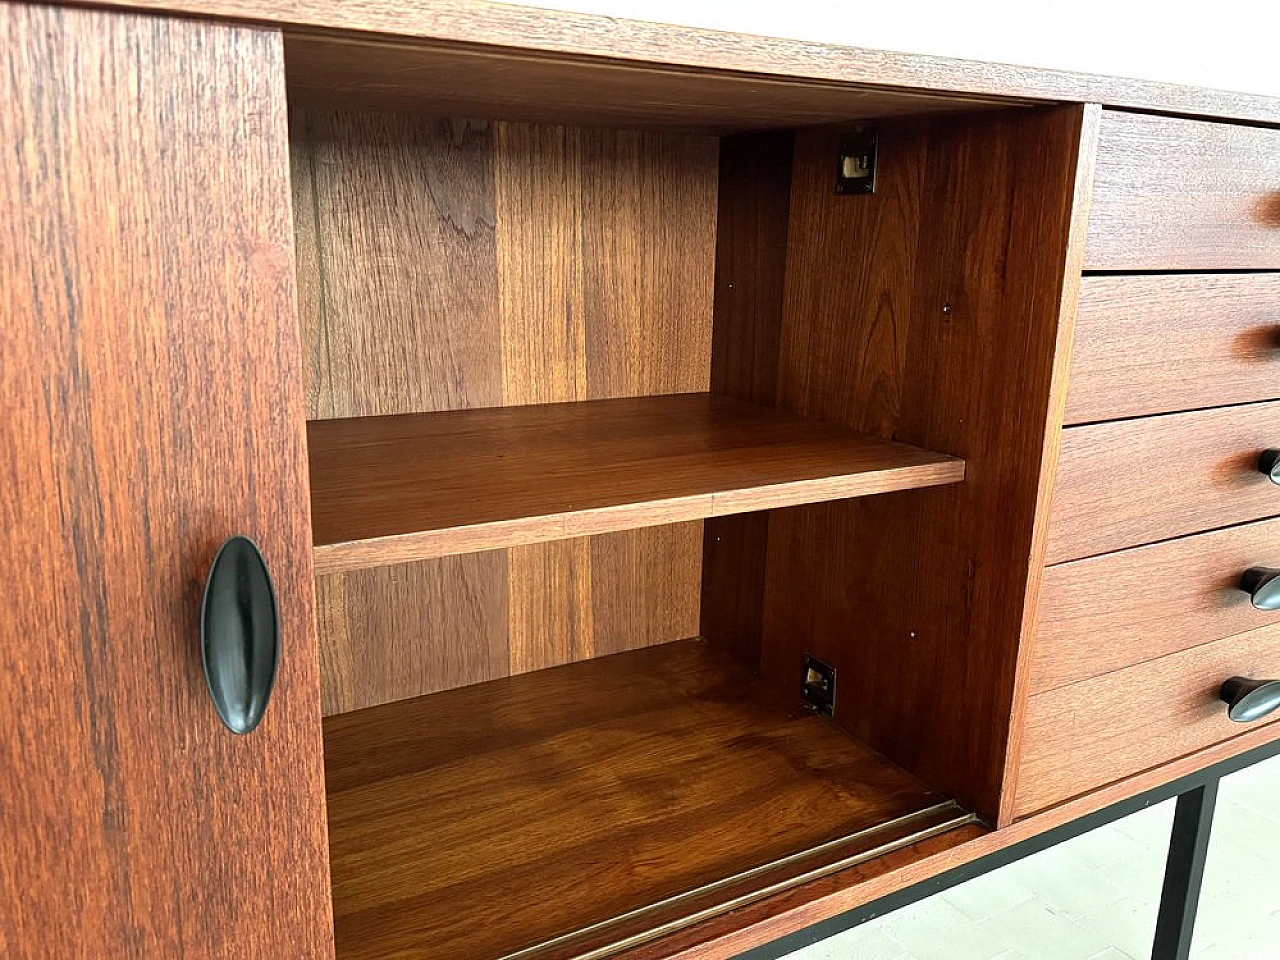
(150, 407)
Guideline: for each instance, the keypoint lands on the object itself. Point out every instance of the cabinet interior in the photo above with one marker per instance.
(613, 425)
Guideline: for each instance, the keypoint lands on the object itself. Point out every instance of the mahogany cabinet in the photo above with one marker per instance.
(692, 500)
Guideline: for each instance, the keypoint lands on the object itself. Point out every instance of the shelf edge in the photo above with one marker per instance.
(351, 555)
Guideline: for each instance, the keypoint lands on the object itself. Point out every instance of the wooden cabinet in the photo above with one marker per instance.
(657, 517)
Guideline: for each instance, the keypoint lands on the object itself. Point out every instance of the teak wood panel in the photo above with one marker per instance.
(574, 38)
(1178, 194)
(394, 632)
(1081, 200)
(1160, 344)
(1088, 734)
(1109, 612)
(452, 264)
(896, 321)
(419, 486)
(152, 408)
(1138, 481)
(483, 820)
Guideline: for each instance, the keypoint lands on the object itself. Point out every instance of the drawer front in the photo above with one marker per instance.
(1174, 194)
(1159, 344)
(1085, 735)
(1137, 481)
(1109, 612)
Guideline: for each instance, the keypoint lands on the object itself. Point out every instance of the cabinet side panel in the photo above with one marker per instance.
(928, 312)
(751, 254)
(150, 369)
(1081, 204)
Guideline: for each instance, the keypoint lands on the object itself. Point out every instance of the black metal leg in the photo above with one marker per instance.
(1183, 873)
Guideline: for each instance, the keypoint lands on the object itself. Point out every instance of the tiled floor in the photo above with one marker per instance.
(1095, 897)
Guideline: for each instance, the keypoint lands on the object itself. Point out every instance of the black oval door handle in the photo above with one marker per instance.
(1262, 584)
(1269, 465)
(1248, 700)
(239, 634)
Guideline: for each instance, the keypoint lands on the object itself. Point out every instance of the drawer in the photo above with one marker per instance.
(1174, 194)
(1085, 735)
(1159, 344)
(1109, 612)
(1137, 481)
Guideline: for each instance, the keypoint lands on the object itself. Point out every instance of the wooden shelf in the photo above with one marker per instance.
(566, 810)
(394, 489)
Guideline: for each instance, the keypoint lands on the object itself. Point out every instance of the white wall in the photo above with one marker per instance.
(1232, 44)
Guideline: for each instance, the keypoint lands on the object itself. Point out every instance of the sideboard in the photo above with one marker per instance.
(494, 483)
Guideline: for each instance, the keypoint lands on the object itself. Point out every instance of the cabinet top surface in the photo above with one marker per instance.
(502, 29)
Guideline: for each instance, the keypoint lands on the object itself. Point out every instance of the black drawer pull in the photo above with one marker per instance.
(1262, 584)
(1269, 465)
(239, 634)
(1248, 700)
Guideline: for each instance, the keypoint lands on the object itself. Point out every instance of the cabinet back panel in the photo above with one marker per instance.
(451, 264)
(390, 633)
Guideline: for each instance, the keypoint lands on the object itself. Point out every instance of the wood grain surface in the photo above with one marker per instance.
(456, 264)
(730, 934)
(1085, 735)
(641, 930)
(503, 85)
(1082, 194)
(908, 339)
(152, 408)
(1160, 344)
(563, 264)
(752, 221)
(738, 931)
(394, 632)
(1178, 194)
(1109, 612)
(495, 817)
(398, 263)
(1138, 481)
(576, 37)
(414, 487)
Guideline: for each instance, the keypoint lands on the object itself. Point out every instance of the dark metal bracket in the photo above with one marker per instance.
(818, 686)
(856, 171)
